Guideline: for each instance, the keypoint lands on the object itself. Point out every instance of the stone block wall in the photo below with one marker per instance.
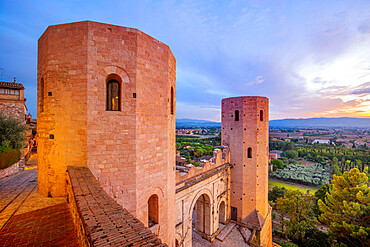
(245, 131)
(62, 105)
(100, 221)
(131, 151)
(216, 161)
(10, 170)
(15, 109)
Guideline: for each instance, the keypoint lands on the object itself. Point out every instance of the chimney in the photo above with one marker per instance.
(15, 79)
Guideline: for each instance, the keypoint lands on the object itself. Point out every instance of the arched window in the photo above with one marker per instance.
(261, 115)
(236, 115)
(172, 103)
(153, 210)
(249, 152)
(42, 94)
(113, 96)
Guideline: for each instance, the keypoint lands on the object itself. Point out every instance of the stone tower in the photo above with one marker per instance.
(106, 101)
(245, 131)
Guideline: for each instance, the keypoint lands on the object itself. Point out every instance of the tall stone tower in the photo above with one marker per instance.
(106, 101)
(245, 131)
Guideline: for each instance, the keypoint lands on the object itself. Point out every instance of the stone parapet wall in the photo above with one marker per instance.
(265, 234)
(101, 221)
(11, 169)
(219, 158)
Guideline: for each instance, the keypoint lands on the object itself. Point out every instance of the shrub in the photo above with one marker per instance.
(8, 156)
(11, 132)
(285, 243)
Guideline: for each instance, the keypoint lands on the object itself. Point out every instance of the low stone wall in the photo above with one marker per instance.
(100, 220)
(220, 157)
(11, 169)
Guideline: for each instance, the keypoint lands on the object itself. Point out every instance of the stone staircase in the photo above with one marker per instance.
(226, 231)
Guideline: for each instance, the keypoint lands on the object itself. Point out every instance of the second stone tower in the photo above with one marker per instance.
(245, 131)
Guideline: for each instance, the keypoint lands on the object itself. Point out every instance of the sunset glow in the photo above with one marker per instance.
(311, 59)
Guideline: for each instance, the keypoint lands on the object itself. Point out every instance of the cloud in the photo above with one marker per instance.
(309, 58)
(362, 89)
(259, 79)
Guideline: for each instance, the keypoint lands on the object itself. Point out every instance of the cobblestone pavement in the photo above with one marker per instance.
(234, 239)
(28, 219)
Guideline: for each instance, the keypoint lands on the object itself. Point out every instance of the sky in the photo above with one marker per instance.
(310, 58)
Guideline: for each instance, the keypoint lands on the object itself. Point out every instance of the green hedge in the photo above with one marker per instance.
(8, 156)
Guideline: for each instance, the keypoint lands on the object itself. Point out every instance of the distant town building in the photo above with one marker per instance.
(321, 141)
(340, 140)
(348, 145)
(180, 160)
(273, 156)
(360, 143)
(277, 152)
(12, 101)
(28, 118)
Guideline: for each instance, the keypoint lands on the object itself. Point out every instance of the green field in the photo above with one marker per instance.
(292, 186)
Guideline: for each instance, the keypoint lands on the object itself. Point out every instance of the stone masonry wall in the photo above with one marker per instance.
(249, 176)
(16, 109)
(132, 151)
(10, 170)
(101, 221)
(62, 100)
(214, 162)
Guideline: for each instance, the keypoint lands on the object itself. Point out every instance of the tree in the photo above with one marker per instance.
(277, 164)
(11, 132)
(358, 164)
(277, 192)
(335, 161)
(290, 146)
(320, 194)
(291, 154)
(298, 208)
(346, 210)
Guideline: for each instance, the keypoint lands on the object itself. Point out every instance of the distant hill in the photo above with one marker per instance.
(346, 122)
(196, 123)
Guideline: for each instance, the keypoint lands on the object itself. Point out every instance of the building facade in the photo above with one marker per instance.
(106, 101)
(245, 131)
(12, 101)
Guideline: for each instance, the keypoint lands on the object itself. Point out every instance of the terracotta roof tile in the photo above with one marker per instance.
(13, 85)
(254, 219)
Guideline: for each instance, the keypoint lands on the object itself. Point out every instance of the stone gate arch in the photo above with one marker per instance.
(222, 211)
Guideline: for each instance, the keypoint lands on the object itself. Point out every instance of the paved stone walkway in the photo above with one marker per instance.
(234, 239)
(28, 219)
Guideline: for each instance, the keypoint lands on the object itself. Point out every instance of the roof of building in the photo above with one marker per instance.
(276, 152)
(12, 85)
(254, 219)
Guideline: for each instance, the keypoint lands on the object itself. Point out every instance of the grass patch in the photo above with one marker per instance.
(292, 186)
